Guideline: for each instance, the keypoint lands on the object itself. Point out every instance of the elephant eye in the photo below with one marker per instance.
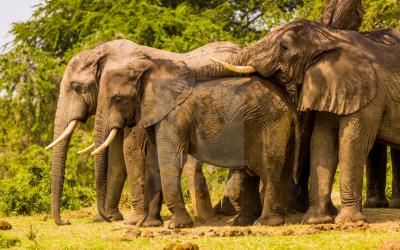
(284, 47)
(76, 87)
(117, 99)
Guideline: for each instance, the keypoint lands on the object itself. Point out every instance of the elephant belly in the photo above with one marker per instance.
(389, 131)
(226, 148)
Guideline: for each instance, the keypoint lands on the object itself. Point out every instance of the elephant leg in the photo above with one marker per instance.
(116, 176)
(153, 193)
(201, 201)
(230, 202)
(395, 201)
(324, 159)
(299, 195)
(172, 155)
(134, 147)
(376, 177)
(356, 138)
(250, 203)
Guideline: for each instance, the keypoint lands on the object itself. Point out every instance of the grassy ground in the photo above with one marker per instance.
(40, 232)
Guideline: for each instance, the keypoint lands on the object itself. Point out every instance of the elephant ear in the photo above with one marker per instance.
(164, 86)
(341, 81)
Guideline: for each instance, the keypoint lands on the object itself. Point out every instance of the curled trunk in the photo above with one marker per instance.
(216, 70)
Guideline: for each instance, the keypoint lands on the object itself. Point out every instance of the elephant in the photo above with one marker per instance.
(348, 15)
(377, 158)
(246, 123)
(351, 82)
(78, 101)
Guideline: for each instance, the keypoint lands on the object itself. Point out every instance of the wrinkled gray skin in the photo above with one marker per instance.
(229, 123)
(352, 83)
(348, 15)
(377, 158)
(343, 14)
(78, 101)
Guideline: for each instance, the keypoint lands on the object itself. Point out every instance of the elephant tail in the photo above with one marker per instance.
(297, 142)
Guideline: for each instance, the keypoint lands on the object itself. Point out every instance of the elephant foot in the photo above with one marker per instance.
(63, 222)
(244, 220)
(225, 207)
(269, 221)
(376, 202)
(180, 220)
(317, 216)
(134, 219)
(347, 215)
(151, 222)
(117, 215)
(394, 203)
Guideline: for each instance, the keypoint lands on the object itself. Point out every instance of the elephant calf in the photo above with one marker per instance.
(229, 122)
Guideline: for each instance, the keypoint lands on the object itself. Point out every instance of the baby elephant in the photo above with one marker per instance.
(228, 122)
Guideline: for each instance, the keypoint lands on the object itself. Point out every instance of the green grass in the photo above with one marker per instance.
(39, 232)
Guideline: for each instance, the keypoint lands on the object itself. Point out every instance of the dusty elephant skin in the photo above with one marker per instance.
(78, 100)
(353, 84)
(377, 158)
(348, 15)
(246, 117)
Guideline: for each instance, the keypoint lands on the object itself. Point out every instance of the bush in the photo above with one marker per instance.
(28, 191)
(6, 242)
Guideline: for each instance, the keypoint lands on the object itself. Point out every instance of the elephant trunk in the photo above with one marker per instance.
(101, 165)
(236, 65)
(59, 155)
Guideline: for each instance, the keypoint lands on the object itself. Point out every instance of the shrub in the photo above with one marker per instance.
(28, 190)
(6, 242)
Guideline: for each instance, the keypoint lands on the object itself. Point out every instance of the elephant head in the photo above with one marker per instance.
(337, 75)
(139, 91)
(77, 101)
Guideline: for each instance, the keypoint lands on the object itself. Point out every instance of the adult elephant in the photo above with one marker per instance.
(78, 101)
(246, 123)
(351, 82)
(377, 158)
(348, 15)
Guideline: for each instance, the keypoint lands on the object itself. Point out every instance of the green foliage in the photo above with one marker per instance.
(31, 70)
(28, 191)
(7, 242)
(381, 14)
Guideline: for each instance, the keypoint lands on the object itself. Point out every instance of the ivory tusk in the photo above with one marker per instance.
(235, 68)
(65, 134)
(107, 142)
(86, 149)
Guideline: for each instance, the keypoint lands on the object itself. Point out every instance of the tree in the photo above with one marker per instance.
(31, 70)
(343, 14)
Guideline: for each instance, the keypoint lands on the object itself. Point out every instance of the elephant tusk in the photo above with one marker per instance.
(65, 134)
(235, 68)
(86, 149)
(107, 142)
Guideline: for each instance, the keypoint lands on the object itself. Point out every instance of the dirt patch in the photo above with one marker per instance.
(131, 234)
(4, 225)
(390, 245)
(185, 246)
(361, 226)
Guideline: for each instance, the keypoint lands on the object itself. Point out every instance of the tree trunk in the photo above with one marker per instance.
(343, 14)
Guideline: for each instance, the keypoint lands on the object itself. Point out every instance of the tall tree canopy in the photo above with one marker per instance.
(31, 70)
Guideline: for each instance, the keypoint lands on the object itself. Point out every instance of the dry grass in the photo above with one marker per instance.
(40, 232)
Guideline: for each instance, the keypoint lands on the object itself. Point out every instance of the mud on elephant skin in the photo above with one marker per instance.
(322, 61)
(187, 118)
(78, 100)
